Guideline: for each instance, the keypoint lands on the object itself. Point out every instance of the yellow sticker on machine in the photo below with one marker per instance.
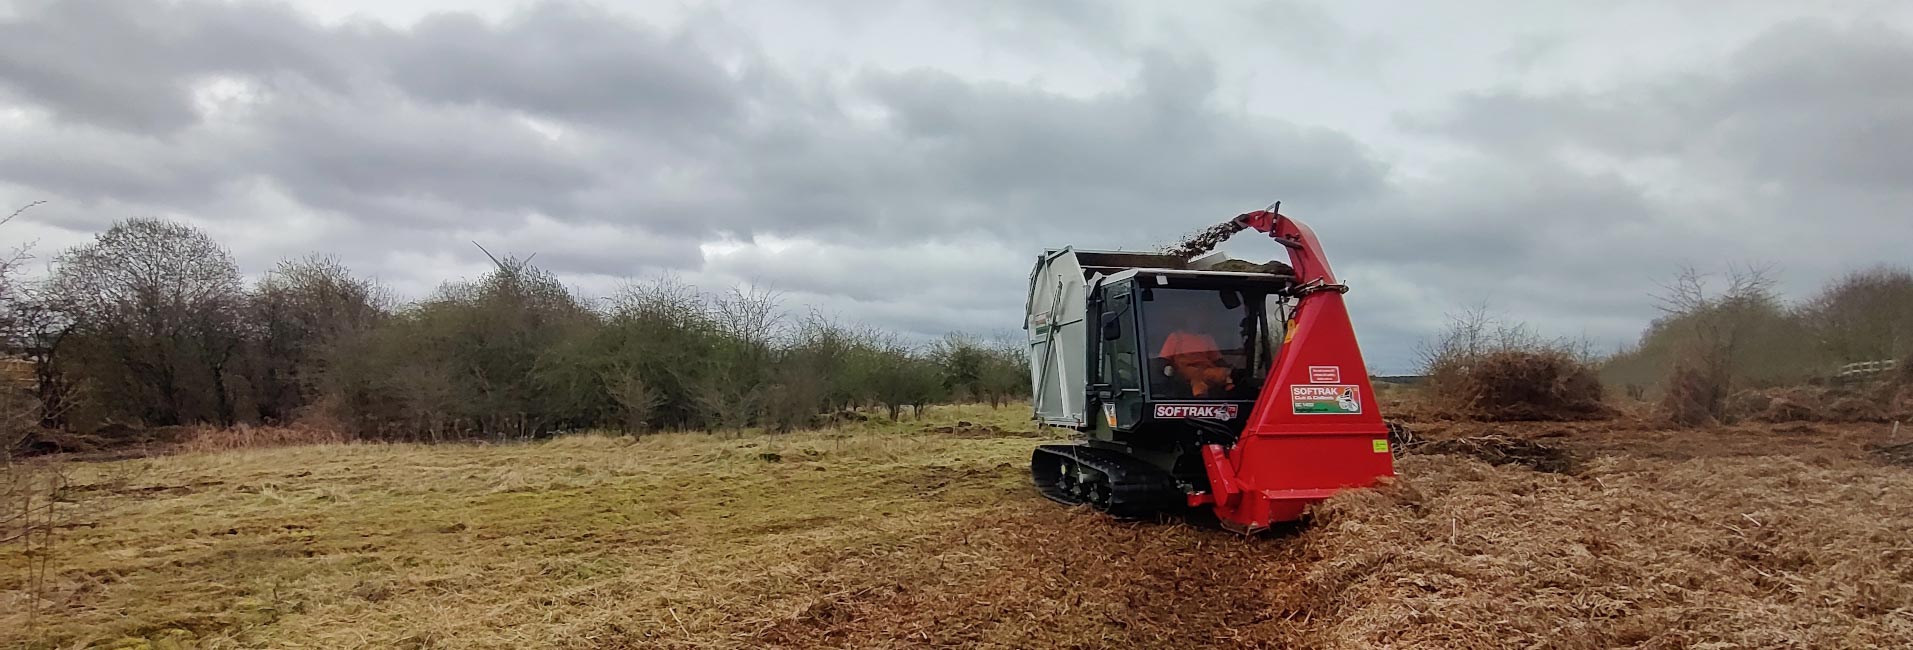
(1381, 446)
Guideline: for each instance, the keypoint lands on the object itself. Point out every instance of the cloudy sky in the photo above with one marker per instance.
(900, 163)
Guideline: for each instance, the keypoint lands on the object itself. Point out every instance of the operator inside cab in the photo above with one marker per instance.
(1194, 365)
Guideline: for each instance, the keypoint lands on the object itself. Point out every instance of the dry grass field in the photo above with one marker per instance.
(924, 534)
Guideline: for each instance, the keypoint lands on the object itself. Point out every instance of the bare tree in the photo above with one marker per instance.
(637, 401)
(20, 412)
(750, 316)
(12, 294)
(1712, 329)
(734, 384)
(159, 305)
(303, 312)
(1865, 316)
(10, 261)
(1719, 322)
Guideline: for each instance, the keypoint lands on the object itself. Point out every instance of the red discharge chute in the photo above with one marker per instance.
(1315, 428)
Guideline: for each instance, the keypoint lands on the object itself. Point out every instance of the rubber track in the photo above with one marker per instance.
(1137, 489)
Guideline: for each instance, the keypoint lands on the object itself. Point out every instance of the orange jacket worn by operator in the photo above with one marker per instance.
(1196, 360)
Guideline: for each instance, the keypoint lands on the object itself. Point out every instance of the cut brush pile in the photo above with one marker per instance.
(1518, 385)
(1882, 402)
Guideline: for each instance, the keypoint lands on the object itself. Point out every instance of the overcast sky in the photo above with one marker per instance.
(901, 163)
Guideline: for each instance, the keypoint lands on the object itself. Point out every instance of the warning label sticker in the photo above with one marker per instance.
(1325, 374)
(1207, 411)
(1325, 400)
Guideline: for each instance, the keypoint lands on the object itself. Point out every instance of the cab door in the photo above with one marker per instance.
(1117, 387)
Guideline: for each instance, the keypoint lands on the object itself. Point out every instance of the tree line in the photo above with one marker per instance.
(151, 324)
(1736, 329)
(1717, 335)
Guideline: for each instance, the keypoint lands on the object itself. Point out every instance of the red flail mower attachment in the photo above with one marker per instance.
(1315, 428)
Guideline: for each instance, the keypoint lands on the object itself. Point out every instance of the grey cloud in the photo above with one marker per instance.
(568, 62)
(372, 154)
(593, 249)
(1805, 102)
(424, 129)
(1160, 138)
(1529, 51)
(130, 65)
(1035, 25)
(951, 156)
(1809, 101)
(1307, 32)
(87, 163)
(963, 273)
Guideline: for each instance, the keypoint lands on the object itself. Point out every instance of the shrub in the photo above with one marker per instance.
(1696, 394)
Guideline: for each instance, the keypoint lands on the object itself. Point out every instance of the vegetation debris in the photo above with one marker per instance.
(967, 429)
(1203, 241)
(1272, 267)
(1502, 450)
(1900, 454)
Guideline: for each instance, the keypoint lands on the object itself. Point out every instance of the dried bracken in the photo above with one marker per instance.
(1708, 552)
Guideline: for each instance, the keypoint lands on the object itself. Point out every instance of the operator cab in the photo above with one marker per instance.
(1171, 345)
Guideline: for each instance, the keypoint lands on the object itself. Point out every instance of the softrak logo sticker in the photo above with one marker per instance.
(1205, 411)
(1313, 399)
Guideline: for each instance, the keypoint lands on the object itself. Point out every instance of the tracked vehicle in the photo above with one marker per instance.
(1195, 386)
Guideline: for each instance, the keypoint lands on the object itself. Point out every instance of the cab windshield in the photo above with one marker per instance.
(1205, 344)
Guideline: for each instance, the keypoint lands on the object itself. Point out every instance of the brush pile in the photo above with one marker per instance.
(1518, 385)
(1270, 267)
(1880, 403)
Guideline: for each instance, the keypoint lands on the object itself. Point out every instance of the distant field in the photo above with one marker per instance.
(902, 536)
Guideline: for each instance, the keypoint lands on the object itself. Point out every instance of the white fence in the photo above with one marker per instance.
(1866, 369)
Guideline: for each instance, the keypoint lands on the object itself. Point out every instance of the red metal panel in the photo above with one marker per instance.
(1302, 445)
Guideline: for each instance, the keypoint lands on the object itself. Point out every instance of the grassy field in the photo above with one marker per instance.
(924, 534)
